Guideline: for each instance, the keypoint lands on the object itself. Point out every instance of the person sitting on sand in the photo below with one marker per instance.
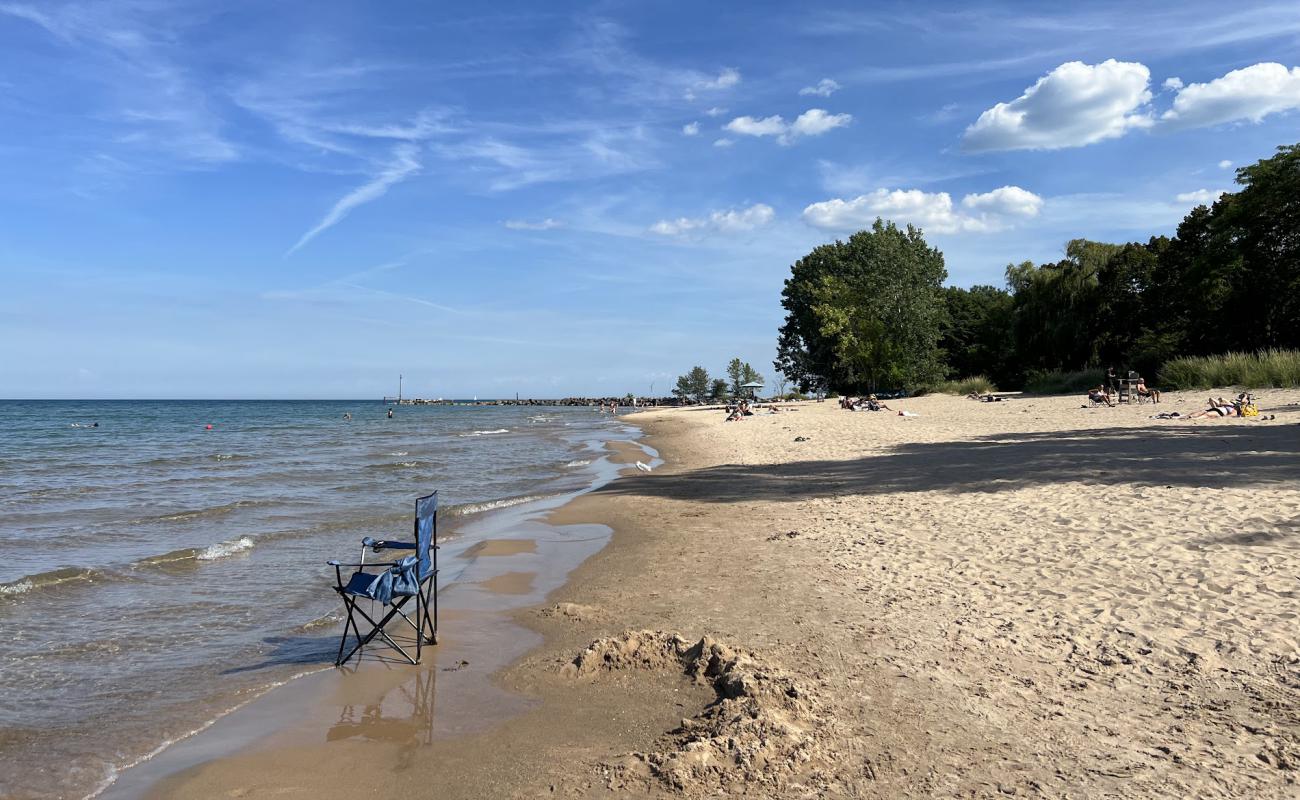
(1099, 395)
(1143, 391)
(875, 405)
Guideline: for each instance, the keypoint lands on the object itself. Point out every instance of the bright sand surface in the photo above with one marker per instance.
(1024, 598)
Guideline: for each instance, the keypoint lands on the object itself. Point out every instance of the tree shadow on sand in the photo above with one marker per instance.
(1175, 454)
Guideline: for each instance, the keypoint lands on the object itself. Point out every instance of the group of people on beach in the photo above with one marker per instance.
(1105, 393)
(868, 403)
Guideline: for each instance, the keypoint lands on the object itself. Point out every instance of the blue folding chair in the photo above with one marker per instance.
(414, 577)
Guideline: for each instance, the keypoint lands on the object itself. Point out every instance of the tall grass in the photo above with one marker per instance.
(1267, 369)
(1059, 382)
(975, 383)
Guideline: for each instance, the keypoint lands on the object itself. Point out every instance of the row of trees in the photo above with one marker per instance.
(698, 386)
(871, 313)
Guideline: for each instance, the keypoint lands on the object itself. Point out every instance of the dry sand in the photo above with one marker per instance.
(1023, 598)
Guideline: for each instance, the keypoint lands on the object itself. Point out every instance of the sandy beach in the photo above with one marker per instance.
(1024, 598)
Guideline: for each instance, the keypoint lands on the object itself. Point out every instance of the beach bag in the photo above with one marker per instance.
(1250, 410)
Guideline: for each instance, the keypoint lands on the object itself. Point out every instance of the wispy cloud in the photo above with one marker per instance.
(404, 164)
(526, 225)
(730, 221)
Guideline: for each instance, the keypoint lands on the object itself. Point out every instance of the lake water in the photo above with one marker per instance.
(155, 574)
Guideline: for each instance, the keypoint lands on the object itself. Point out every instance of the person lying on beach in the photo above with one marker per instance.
(872, 404)
(1218, 407)
(1099, 395)
(1143, 391)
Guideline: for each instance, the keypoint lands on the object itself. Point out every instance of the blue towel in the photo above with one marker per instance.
(396, 581)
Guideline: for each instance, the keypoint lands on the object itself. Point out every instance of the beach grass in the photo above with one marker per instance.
(1062, 382)
(975, 383)
(1267, 369)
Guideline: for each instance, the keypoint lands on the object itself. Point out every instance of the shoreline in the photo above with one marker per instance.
(945, 599)
(484, 594)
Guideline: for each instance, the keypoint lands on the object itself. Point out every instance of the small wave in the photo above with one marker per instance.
(505, 502)
(398, 453)
(194, 554)
(399, 465)
(223, 549)
(332, 618)
(45, 580)
(231, 457)
(578, 462)
(485, 433)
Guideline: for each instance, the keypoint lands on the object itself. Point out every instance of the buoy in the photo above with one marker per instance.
(208, 426)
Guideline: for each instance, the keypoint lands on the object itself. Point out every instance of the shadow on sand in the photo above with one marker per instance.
(1171, 454)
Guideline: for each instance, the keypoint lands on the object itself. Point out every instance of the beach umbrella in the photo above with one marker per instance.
(753, 388)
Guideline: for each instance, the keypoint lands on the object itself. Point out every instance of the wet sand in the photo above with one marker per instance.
(1024, 598)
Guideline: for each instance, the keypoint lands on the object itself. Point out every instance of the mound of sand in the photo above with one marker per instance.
(766, 730)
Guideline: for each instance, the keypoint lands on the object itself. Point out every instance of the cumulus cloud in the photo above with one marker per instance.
(1173, 83)
(691, 129)
(729, 221)
(933, 211)
(813, 122)
(1225, 164)
(816, 121)
(526, 225)
(750, 126)
(1073, 105)
(1200, 197)
(1250, 93)
(824, 88)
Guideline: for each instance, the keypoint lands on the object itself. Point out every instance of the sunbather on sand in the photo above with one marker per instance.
(1218, 407)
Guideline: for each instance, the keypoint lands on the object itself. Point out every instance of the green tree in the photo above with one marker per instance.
(693, 385)
(864, 314)
(718, 392)
(736, 375)
(979, 334)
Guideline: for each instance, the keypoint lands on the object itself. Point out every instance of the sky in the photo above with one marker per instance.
(255, 200)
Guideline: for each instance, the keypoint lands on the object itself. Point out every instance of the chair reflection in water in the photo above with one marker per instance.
(397, 585)
(368, 721)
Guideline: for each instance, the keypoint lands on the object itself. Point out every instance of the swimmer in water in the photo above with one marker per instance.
(347, 415)
(390, 413)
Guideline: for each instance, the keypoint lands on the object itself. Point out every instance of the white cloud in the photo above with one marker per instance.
(691, 129)
(749, 126)
(1073, 105)
(1251, 93)
(813, 122)
(1200, 197)
(729, 221)
(726, 79)
(1225, 164)
(932, 211)
(403, 164)
(525, 225)
(723, 142)
(824, 88)
(1173, 84)
(716, 111)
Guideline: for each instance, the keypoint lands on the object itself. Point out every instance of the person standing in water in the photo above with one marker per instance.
(390, 413)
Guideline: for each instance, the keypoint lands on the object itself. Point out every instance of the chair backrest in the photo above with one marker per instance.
(426, 531)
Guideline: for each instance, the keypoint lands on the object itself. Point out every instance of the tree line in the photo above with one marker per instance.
(698, 386)
(871, 313)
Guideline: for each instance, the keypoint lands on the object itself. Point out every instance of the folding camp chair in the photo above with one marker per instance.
(412, 577)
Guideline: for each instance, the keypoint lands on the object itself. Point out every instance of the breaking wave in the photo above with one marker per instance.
(46, 580)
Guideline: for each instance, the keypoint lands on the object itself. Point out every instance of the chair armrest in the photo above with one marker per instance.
(384, 564)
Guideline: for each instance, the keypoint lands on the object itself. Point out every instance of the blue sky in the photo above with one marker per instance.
(245, 199)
